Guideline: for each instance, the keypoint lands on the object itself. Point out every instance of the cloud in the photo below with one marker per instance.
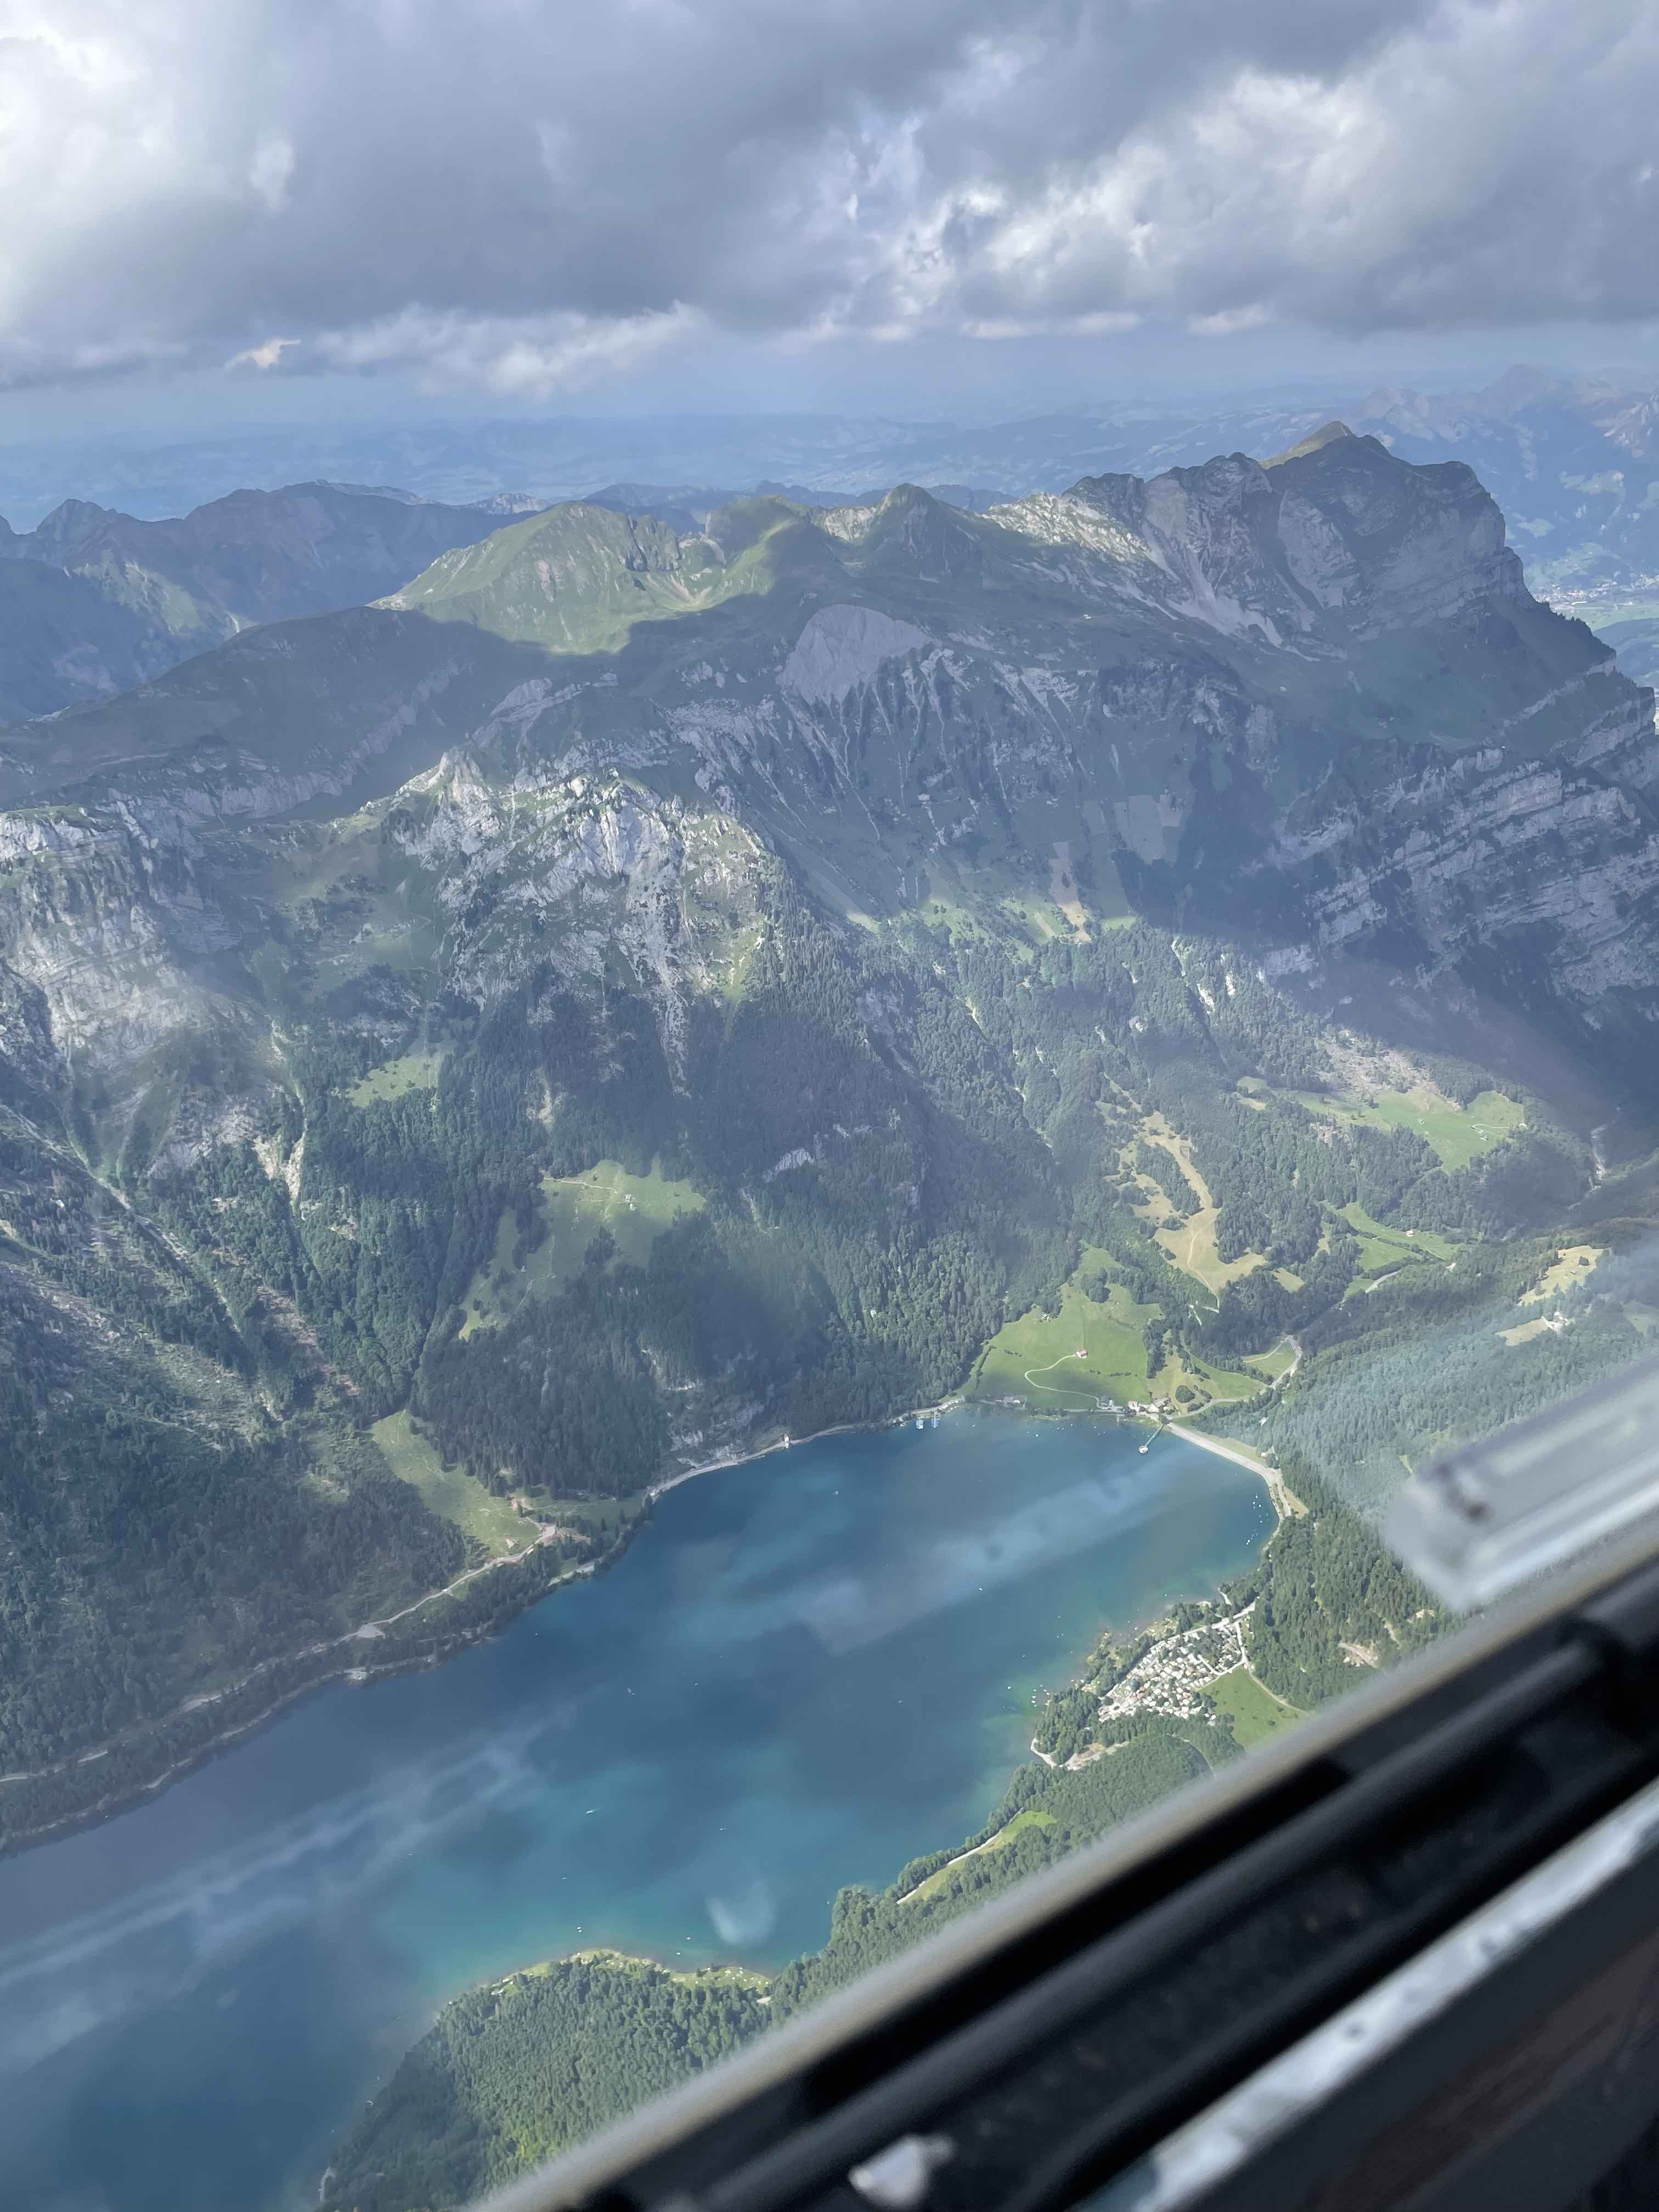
(268, 171)
(266, 355)
(523, 196)
(524, 356)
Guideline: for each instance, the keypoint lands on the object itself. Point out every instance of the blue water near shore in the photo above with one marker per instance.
(805, 1671)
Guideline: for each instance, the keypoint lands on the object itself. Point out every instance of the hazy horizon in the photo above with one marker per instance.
(958, 211)
(146, 458)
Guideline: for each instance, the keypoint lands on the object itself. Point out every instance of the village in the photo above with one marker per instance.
(1174, 1672)
(1147, 1409)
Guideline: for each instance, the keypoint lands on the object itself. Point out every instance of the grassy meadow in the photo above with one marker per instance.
(1457, 1135)
(489, 1522)
(634, 1209)
(1037, 1356)
(395, 1079)
(1191, 1244)
(1032, 1817)
(1568, 1271)
(1255, 1712)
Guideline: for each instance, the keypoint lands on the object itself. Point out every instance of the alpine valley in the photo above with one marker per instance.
(638, 992)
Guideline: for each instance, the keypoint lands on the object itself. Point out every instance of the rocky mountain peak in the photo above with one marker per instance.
(1335, 536)
(913, 528)
(65, 532)
(1326, 434)
(1517, 387)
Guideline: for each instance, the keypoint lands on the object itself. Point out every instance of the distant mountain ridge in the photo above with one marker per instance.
(150, 594)
(174, 588)
(1573, 462)
(1574, 428)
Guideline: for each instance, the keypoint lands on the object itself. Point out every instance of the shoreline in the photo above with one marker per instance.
(1238, 1454)
(366, 1635)
(662, 1489)
(1286, 1502)
(137, 1792)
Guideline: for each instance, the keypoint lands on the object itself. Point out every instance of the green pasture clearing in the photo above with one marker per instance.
(1062, 886)
(1525, 1331)
(1027, 910)
(395, 1079)
(1572, 1266)
(1114, 1364)
(602, 1517)
(1191, 1245)
(961, 922)
(1222, 1384)
(1380, 1248)
(634, 1208)
(1030, 1818)
(1456, 1134)
(1255, 1712)
(451, 1492)
(1271, 1364)
(1035, 1357)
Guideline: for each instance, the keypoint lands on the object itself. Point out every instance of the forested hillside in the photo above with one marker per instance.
(512, 2073)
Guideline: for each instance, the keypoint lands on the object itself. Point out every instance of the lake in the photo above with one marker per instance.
(805, 1671)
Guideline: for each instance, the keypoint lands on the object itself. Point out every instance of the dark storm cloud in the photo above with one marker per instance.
(525, 196)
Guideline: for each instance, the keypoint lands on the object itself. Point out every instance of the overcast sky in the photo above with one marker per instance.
(264, 203)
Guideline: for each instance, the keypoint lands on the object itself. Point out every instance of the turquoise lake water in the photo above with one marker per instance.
(805, 1671)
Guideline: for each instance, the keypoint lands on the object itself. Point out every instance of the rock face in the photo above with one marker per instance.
(1329, 540)
(842, 648)
(1308, 704)
(557, 877)
(1572, 462)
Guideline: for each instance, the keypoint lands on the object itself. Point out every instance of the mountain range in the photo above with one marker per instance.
(635, 990)
(1312, 702)
(93, 602)
(1567, 458)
